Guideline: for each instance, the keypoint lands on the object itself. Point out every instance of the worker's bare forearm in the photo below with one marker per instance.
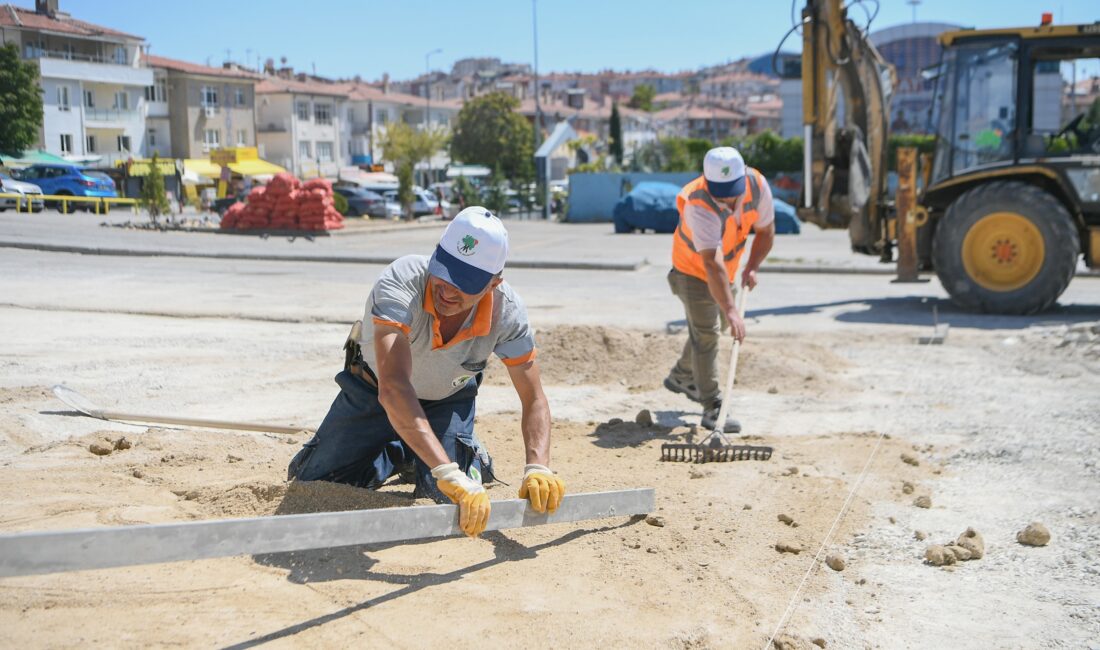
(536, 430)
(761, 246)
(410, 422)
(535, 420)
(718, 282)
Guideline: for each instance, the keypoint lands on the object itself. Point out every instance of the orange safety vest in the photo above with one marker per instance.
(684, 256)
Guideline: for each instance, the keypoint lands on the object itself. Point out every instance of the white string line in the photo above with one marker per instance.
(843, 509)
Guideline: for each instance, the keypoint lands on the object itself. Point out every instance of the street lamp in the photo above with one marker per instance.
(428, 110)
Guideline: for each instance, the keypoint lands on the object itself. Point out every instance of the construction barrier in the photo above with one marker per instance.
(101, 204)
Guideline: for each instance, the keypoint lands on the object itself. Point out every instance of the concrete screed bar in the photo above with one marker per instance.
(32, 553)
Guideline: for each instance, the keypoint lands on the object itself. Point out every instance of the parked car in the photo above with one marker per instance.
(27, 191)
(70, 180)
(423, 203)
(363, 202)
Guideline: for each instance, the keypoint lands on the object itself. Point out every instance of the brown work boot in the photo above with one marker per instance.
(686, 388)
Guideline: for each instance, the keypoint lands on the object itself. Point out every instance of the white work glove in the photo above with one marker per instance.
(541, 487)
(472, 500)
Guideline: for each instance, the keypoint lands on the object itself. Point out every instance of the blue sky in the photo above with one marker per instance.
(368, 37)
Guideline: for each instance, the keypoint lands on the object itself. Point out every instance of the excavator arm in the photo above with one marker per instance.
(846, 90)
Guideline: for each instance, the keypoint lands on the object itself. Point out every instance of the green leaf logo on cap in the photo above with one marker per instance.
(466, 247)
(726, 170)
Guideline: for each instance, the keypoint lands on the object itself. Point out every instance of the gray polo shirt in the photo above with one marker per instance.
(498, 324)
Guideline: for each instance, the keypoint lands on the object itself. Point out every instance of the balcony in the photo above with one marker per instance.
(360, 128)
(110, 117)
(272, 127)
(90, 71)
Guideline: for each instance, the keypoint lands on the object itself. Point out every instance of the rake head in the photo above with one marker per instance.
(714, 450)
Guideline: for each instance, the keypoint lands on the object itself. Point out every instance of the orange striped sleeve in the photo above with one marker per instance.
(389, 323)
(519, 361)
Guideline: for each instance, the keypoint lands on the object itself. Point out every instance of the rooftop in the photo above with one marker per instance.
(61, 23)
(195, 68)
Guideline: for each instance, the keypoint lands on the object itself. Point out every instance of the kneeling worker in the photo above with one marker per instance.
(717, 212)
(407, 393)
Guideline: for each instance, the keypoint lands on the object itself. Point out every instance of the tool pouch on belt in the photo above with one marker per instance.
(352, 352)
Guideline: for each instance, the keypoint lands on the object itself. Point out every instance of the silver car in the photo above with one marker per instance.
(26, 191)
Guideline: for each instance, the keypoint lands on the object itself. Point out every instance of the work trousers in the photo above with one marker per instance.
(357, 445)
(698, 362)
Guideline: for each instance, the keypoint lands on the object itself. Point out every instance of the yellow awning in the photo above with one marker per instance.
(203, 167)
(256, 168)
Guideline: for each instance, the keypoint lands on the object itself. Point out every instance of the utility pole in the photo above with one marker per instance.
(428, 111)
(541, 184)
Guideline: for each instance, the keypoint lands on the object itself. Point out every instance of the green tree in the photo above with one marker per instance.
(20, 101)
(643, 98)
(616, 127)
(488, 131)
(405, 146)
(405, 187)
(153, 198)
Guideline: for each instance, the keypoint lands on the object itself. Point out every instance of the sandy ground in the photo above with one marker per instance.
(1004, 426)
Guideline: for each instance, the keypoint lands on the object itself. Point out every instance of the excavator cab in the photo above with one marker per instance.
(1013, 192)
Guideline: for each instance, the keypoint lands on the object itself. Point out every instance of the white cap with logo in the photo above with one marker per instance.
(724, 171)
(472, 251)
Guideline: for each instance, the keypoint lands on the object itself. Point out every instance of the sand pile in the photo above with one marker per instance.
(573, 355)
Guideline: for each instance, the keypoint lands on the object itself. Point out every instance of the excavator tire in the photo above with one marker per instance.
(1006, 247)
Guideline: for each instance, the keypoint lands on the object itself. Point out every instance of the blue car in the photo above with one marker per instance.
(69, 180)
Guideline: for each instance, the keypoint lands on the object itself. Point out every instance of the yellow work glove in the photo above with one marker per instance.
(541, 487)
(470, 496)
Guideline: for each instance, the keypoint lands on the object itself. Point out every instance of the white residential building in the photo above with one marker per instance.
(371, 109)
(300, 125)
(93, 81)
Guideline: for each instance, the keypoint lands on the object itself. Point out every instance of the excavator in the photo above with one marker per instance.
(1001, 210)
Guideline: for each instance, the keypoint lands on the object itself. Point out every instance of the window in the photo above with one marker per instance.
(123, 143)
(239, 96)
(209, 97)
(324, 151)
(984, 106)
(303, 111)
(158, 92)
(303, 150)
(89, 99)
(242, 138)
(66, 143)
(322, 113)
(122, 100)
(120, 55)
(63, 98)
(382, 115)
(151, 137)
(211, 139)
(91, 145)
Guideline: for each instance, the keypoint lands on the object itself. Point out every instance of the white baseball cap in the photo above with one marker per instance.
(724, 171)
(472, 250)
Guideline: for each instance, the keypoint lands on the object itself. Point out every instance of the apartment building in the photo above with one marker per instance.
(93, 80)
(299, 125)
(194, 109)
(370, 109)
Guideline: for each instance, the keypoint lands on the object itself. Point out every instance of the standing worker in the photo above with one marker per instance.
(412, 372)
(718, 210)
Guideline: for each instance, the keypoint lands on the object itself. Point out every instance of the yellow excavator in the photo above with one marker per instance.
(1001, 210)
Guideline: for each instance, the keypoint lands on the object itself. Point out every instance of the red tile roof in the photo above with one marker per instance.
(195, 68)
(12, 16)
(276, 85)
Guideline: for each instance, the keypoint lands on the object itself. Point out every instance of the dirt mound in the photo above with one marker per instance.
(251, 499)
(573, 355)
